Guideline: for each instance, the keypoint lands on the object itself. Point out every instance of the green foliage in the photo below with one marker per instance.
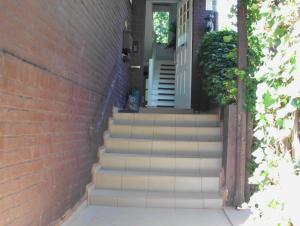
(173, 30)
(161, 27)
(274, 34)
(218, 60)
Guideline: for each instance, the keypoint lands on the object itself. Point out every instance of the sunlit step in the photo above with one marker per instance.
(158, 119)
(137, 146)
(205, 181)
(156, 162)
(127, 198)
(165, 133)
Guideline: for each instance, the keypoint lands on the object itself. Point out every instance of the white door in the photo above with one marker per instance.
(184, 54)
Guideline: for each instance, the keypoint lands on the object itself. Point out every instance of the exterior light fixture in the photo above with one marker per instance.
(210, 25)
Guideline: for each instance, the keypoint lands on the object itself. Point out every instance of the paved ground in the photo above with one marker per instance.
(110, 216)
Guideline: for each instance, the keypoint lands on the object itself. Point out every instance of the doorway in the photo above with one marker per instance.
(168, 53)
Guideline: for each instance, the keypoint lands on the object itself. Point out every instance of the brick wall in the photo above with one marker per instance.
(58, 61)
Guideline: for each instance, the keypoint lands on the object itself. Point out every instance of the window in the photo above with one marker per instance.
(161, 22)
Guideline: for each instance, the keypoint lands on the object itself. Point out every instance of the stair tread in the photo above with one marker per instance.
(213, 117)
(204, 173)
(169, 127)
(158, 140)
(157, 155)
(161, 194)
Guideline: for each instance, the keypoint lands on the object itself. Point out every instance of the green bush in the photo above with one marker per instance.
(218, 62)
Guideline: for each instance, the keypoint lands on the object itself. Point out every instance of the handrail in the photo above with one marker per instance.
(102, 108)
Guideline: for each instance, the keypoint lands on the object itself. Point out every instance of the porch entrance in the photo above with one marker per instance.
(168, 53)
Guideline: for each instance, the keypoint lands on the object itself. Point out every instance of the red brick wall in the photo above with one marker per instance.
(57, 62)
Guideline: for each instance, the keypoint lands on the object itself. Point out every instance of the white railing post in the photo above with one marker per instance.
(150, 81)
(152, 62)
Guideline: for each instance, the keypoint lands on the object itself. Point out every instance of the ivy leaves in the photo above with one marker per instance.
(218, 59)
(276, 26)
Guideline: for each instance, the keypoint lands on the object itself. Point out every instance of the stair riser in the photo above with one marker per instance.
(156, 92)
(156, 183)
(172, 77)
(164, 86)
(168, 133)
(156, 164)
(168, 123)
(167, 120)
(161, 147)
(166, 81)
(165, 111)
(161, 202)
(163, 97)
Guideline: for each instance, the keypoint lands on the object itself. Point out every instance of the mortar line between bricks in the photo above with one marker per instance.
(43, 68)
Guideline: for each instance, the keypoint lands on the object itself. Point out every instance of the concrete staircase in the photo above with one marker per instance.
(160, 161)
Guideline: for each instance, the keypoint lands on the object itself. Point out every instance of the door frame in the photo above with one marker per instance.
(148, 26)
(148, 43)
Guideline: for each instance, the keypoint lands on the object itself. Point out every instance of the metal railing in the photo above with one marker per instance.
(103, 107)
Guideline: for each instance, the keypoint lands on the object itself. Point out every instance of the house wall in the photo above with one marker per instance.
(58, 61)
(199, 98)
(137, 79)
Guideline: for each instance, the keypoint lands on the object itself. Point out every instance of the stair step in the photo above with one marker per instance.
(163, 78)
(168, 111)
(165, 132)
(167, 77)
(158, 92)
(167, 64)
(121, 198)
(156, 162)
(206, 181)
(165, 86)
(163, 97)
(184, 120)
(162, 68)
(164, 103)
(166, 81)
(137, 146)
(167, 73)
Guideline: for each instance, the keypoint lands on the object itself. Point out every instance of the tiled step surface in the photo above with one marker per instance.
(178, 120)
(166, 132)
(159, 160)
(154, 110)
(119, 198)
(140, 146)
(157, 181)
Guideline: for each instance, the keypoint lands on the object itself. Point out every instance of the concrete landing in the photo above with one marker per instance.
(110, 216)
